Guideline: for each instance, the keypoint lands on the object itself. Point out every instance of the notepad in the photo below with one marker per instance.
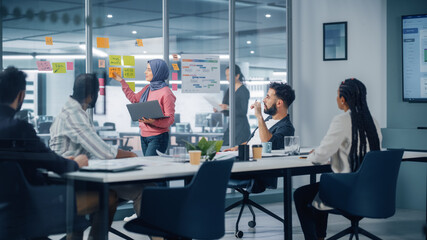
(110, 166)
(149, 109)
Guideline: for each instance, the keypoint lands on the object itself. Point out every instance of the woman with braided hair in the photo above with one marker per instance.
(350, 136)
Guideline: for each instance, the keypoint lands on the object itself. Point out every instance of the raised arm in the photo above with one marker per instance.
(126, 89)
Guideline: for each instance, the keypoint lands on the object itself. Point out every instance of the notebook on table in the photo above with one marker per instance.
(110, 166)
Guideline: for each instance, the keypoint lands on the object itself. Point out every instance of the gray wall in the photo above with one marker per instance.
(403, 118)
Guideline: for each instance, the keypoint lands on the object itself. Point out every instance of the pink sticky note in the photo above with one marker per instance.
(174, 76)
(70, 66)
(101, 82)
(102, 91)
(44, 66)
(174, 87)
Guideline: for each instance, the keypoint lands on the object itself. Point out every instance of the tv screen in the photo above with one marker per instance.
(414, 47)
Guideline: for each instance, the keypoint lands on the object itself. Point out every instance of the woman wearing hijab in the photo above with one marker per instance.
(154, 132)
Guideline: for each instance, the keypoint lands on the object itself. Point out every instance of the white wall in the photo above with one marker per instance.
(316, 81)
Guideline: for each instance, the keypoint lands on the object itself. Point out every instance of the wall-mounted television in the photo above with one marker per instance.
(414, 53)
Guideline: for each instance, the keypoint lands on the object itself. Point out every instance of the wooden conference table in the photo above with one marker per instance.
(160, 169)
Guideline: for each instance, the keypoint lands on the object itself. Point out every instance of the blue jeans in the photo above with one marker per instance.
(159, 142)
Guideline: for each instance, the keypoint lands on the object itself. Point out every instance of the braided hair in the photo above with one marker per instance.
(362, 123)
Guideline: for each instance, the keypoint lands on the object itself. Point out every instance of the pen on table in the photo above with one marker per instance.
(303, 157)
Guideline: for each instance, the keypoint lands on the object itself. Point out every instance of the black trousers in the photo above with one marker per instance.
(313, 222)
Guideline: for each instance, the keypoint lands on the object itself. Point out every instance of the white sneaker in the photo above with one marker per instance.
(127, 219)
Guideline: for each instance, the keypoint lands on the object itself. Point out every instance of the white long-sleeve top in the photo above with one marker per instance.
(336, 144)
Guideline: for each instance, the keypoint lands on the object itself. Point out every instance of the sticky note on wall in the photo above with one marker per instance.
(49, 40)
(44, 66)
(174, 76)
(174, 87)
(139, 43)
(131, 85)
(102, 42)
(114, 69)
(70, 66)
(175, 66)
(129, 60)
(129, 72)
(101, 63)
(115, 60)
(59, 67)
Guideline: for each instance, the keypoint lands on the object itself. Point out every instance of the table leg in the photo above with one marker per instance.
(103, 206)
(312, 178)
(287, 202)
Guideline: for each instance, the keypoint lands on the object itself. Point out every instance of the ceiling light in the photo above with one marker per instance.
(248, 42)
(268, 15)
(109, 16)
(60, 57)
(279, 73)
(134, 32)
(16, 57)
(252, 52)
(144, 51)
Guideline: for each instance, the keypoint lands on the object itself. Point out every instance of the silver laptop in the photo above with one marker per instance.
(149, 109)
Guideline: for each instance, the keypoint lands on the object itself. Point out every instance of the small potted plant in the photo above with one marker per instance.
(208, 148)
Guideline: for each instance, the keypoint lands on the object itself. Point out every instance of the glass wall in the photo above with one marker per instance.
(53, 36)
(49, 36)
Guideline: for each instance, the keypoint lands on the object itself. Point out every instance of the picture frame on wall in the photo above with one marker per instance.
(335, 41)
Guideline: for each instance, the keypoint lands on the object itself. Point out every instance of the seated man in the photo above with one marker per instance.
(20, 136)
(276, 126)
(73, 133)
(273, 129)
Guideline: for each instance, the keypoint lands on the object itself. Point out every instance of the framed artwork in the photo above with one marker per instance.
(335, 41)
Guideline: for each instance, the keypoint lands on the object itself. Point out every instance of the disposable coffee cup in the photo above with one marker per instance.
(195, 156)
(257, 151)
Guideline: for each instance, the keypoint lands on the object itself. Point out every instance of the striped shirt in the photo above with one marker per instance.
(72, 134)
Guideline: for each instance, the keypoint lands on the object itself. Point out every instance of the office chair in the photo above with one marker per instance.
(44, 127)
(28, 211)
(110, 124)
(368, 192)
(193, 211)
(246, 187)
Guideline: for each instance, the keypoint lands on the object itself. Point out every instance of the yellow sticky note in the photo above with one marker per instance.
(131, 85)
(115, 60)
(139, 43)
(129, 72)
(102, 42)
(129, 60)
(175, 66)
(59, 67)
(49, 40)
(114, 69)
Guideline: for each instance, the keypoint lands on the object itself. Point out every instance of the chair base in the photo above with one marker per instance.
(248, 202)
(354, 230)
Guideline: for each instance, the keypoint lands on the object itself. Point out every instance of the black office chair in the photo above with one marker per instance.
(368, 192)
(28, 211)
(246, 187)
(193, 211)
(44, 127)
(111, 125)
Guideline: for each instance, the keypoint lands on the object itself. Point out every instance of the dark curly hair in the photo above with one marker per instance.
(12, 81)
(362, 123)
(284, 92)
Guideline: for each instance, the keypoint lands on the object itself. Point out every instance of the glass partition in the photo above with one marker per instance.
(43, 40)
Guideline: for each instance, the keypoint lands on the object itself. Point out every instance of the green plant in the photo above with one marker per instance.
(208, 148)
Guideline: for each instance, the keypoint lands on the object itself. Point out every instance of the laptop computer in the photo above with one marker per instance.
(149, 109)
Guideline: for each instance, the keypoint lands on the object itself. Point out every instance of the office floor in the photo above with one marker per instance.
(405, 224)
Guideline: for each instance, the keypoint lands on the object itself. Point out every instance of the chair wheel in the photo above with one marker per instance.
(238, 234)
(252, 224)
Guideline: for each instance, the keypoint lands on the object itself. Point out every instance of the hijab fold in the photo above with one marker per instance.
(160, 75)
